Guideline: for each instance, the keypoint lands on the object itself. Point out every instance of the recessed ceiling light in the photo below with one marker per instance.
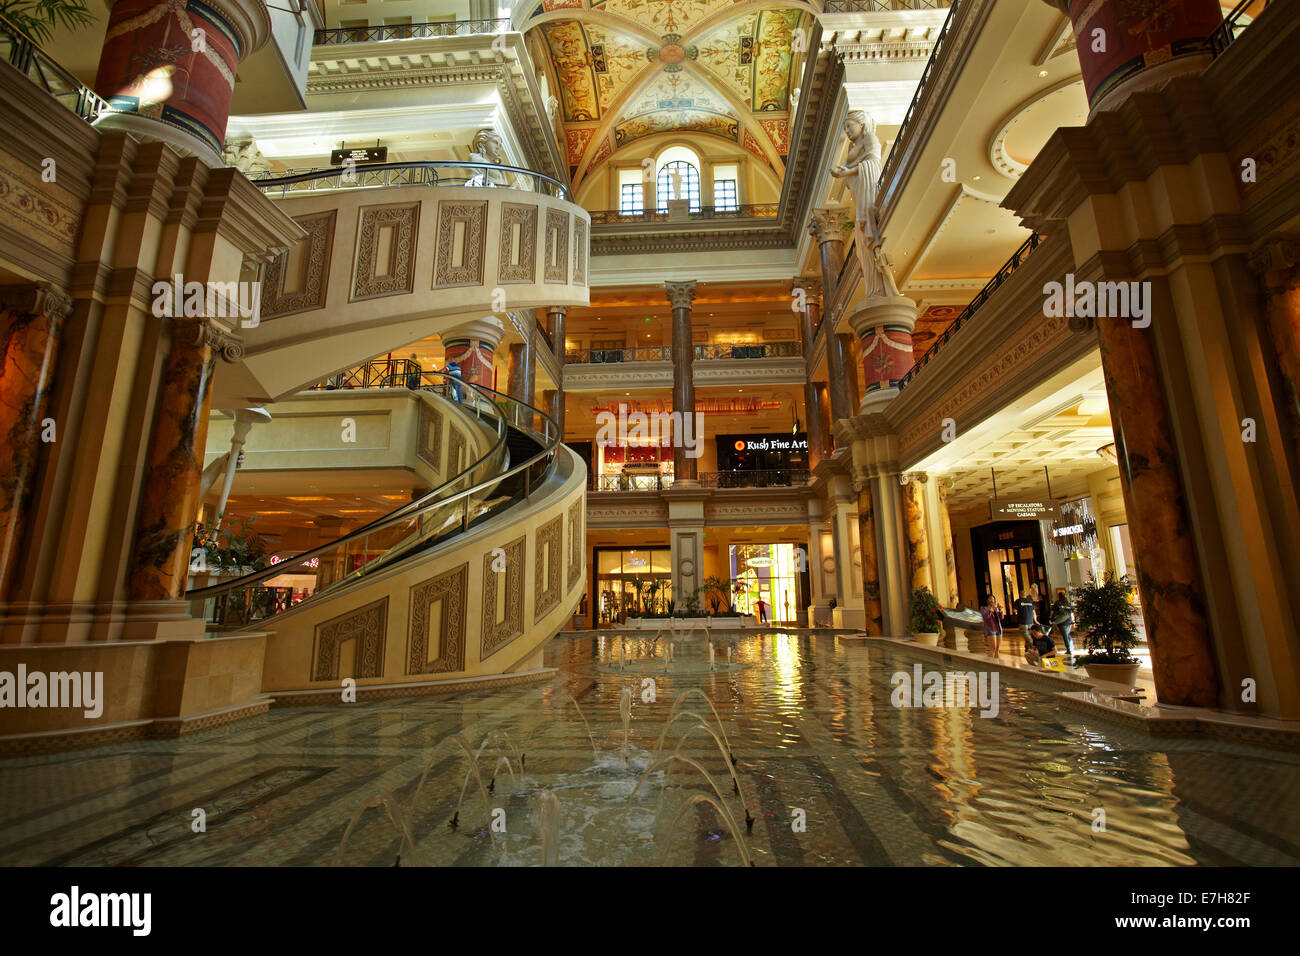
(1042, 72)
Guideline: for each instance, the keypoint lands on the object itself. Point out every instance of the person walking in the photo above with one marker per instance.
(454, 386)
(1063, 620)
(762, 610)
(1027, 614)
(992, 615)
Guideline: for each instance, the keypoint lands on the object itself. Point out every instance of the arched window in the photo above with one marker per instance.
(687, 178)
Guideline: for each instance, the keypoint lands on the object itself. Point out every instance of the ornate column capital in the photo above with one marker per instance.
(1278, 255)
(945, 482)
(218, 338)
(825, 225)
(557, 310)
(680, 294)
(36, 298)
(907, 477)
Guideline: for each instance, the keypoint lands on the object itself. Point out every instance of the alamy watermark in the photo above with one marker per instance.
(214, 300)
(641, 429)
(79, 690)
(922, 688)
(1098, 300)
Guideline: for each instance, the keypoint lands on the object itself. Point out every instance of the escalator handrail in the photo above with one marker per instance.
(415, 508)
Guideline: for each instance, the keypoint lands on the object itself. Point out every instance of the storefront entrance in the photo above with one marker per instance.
(630, 582)
(1009, 562)
(769, 573)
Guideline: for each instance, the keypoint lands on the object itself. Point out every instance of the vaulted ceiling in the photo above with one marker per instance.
(625, 70)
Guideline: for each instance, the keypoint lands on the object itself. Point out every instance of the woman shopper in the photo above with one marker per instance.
(992, 615)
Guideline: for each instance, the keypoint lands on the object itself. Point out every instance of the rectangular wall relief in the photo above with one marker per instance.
(458, 259)
(367, 628)
(576, 538)
(441, 599)
(547, 570)
(496, 634)
(517, 259)
(580, 251)
(428, 437)
(556, 267)
(386, 251)
(312, 256)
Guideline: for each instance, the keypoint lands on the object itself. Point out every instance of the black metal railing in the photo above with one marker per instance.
(765, 350)
(664, 353)
(1011, 265)
(767, 478)
(22, 53)
(896, 150)
(1241, 17)
(631, 482)
(742, 211)
(411, 31)
(423, 173)
(386, 373)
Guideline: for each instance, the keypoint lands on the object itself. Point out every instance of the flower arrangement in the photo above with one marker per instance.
(925, 612)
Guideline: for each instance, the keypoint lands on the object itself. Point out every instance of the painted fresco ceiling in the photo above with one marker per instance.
(624, 70)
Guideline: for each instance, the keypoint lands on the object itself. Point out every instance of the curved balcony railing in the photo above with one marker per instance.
(480, 490)
(392, 373)
(411, 31)
(424, 173)
(1011, 265)
(22, 53)
(1242, 16)
(742, 211)
(631, 482)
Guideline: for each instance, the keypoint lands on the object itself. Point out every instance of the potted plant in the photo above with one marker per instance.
(926, 622)
(718, 592)
(1104, 618)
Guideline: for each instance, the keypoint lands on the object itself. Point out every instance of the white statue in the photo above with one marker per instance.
(552, 107)
(677, 183)
(487, 147)
(862, 170)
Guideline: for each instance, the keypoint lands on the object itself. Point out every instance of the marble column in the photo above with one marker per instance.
(870, 562)
(818, 602)
(914, 530)
(1124, 47)
(680, 296)
(824, 414)
(811, 399)
(826, 226)
(1169, 576)
(169, 499)
(472, 346)
(1276, 265)
(31, 319)
(167, 69)
(949, 556)
(555, 329)
(521, 377)
(555, 408)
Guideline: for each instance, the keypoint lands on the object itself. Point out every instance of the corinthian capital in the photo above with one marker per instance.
(210, 334)
(908, 477)
(38, 298)
(680, 294)
(825, 225)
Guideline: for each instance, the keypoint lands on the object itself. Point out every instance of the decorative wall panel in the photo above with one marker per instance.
(456, 446)
(518, 264)
(367, 627)
(461, 244)
(580, 251)
(318, 250)
(443, 652)
(557, 246)
(428, 437)
(497, 634)
(576, 539)
(547, 569)
(397, 227)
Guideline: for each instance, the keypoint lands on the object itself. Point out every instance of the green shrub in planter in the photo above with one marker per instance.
(1103, 617)
(925, 612)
